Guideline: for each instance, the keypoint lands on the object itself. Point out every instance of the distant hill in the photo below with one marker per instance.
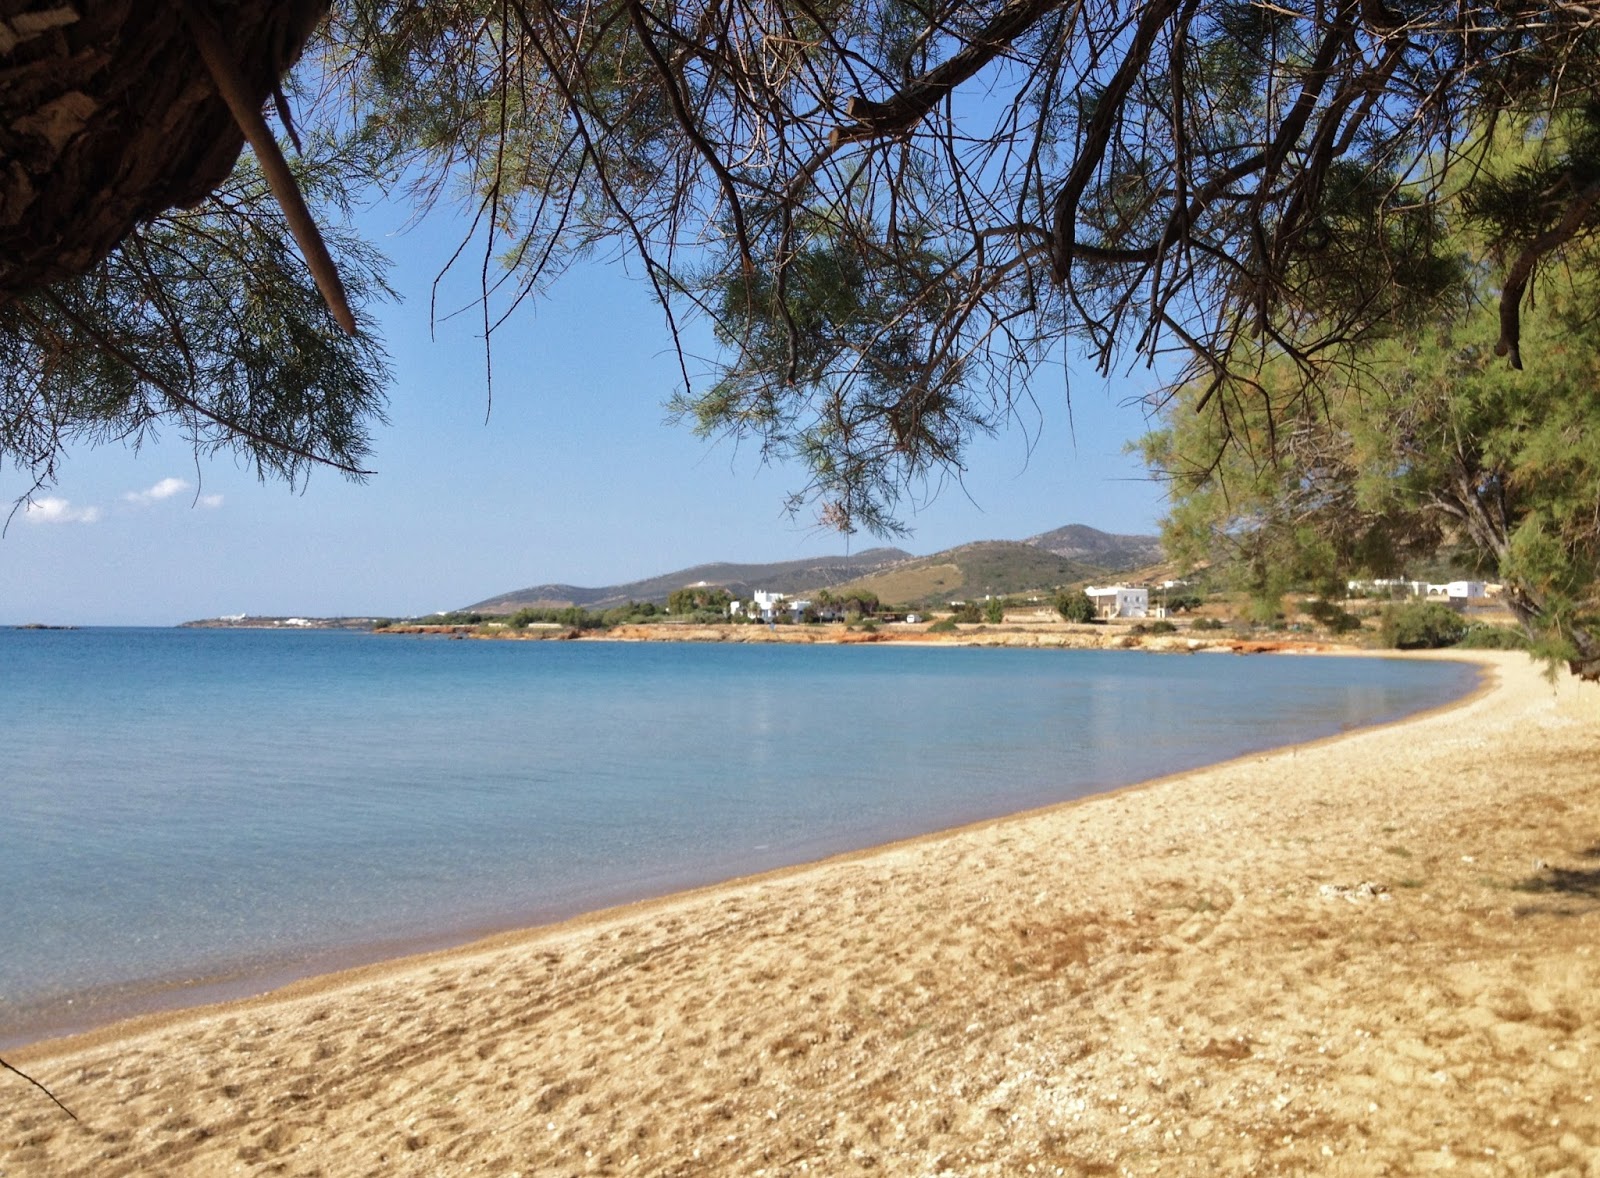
(990, 567)
(791, 576)
(1111, 553)
(999, 567)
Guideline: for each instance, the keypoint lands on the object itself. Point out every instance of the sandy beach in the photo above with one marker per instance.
(1378, 954)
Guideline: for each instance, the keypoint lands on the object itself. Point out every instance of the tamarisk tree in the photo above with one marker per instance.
(1428, 444)
(892, 211)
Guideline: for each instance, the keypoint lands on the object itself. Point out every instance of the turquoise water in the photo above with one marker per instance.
(184, 810)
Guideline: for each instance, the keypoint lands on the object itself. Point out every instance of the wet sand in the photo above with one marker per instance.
(1378, 954)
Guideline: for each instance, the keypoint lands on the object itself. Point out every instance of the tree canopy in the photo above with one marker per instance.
(890, 212)
(1426, 443)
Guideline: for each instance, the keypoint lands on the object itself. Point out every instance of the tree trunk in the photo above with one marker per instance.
(108, 117)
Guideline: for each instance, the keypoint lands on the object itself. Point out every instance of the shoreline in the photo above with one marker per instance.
(1036, 989)
(252, 976)
(1034, 634)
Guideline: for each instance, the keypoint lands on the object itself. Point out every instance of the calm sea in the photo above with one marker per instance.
(187, 813)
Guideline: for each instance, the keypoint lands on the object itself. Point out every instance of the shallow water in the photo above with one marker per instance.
(181, 807)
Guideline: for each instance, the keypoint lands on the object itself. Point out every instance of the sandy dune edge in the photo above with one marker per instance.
(1375, 955)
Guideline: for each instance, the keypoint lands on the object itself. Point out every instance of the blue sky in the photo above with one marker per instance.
(576, 477)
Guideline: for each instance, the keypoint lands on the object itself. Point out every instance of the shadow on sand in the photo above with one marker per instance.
(1581, 883)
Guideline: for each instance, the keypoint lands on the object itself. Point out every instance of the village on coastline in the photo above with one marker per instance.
(1089, 590)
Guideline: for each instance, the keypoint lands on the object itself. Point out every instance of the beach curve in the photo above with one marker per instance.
(1226, 971)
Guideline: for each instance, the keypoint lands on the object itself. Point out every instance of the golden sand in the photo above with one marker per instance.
(1374, 955)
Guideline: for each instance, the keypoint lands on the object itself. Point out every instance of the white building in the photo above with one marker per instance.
(1119, 601)
(1390, 587)
(767, 606)
(1461, 592)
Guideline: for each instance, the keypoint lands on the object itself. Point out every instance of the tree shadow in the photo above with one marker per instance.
(1562, 881)
(1573, 883)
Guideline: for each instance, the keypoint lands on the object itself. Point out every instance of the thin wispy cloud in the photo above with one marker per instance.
(52, 509)
(165, 489)
(211, 501)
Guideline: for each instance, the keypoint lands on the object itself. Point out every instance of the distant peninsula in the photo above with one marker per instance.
(254, 622)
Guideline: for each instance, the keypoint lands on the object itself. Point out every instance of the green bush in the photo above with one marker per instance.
(994, 611)
(1333, 616)
(1208, 624)
(943, 626)
(572, 616)
(1421, 625)
(1075, 607)
(1480, 636)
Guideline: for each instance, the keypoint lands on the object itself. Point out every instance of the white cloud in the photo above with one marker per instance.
(211, 501)
(165, 489)
(51, 509)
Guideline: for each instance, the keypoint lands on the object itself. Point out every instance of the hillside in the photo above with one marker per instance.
(989, 567)
(1110, 552)
(999, 567)
(794, 576)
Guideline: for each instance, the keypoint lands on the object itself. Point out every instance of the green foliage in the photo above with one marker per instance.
(994, 611)
(206, 323)
(1421, 625)
(1207, 624)
(571, 616)
(1076, 606)
(863, 604)
(831, 368)
(969, 612)
(1333, 616)
(1485, 637)
(699, 599)
(1159, 626)
(943, 626)
(889, 213)
(1427, 451)
(632, 612)
(1180, 603)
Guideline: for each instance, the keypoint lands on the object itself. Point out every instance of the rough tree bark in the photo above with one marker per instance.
(108, 116)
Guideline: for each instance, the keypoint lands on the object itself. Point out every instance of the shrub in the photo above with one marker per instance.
(1480, 636)
(1075, 607)
(1208, 624)
(967, 611)
(994, 611)
(1333, 616)
(943, 626)
(1421, 625)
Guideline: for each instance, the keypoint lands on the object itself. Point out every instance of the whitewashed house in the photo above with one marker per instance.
(1459, 593)
(1119, 601)
(766, 606)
